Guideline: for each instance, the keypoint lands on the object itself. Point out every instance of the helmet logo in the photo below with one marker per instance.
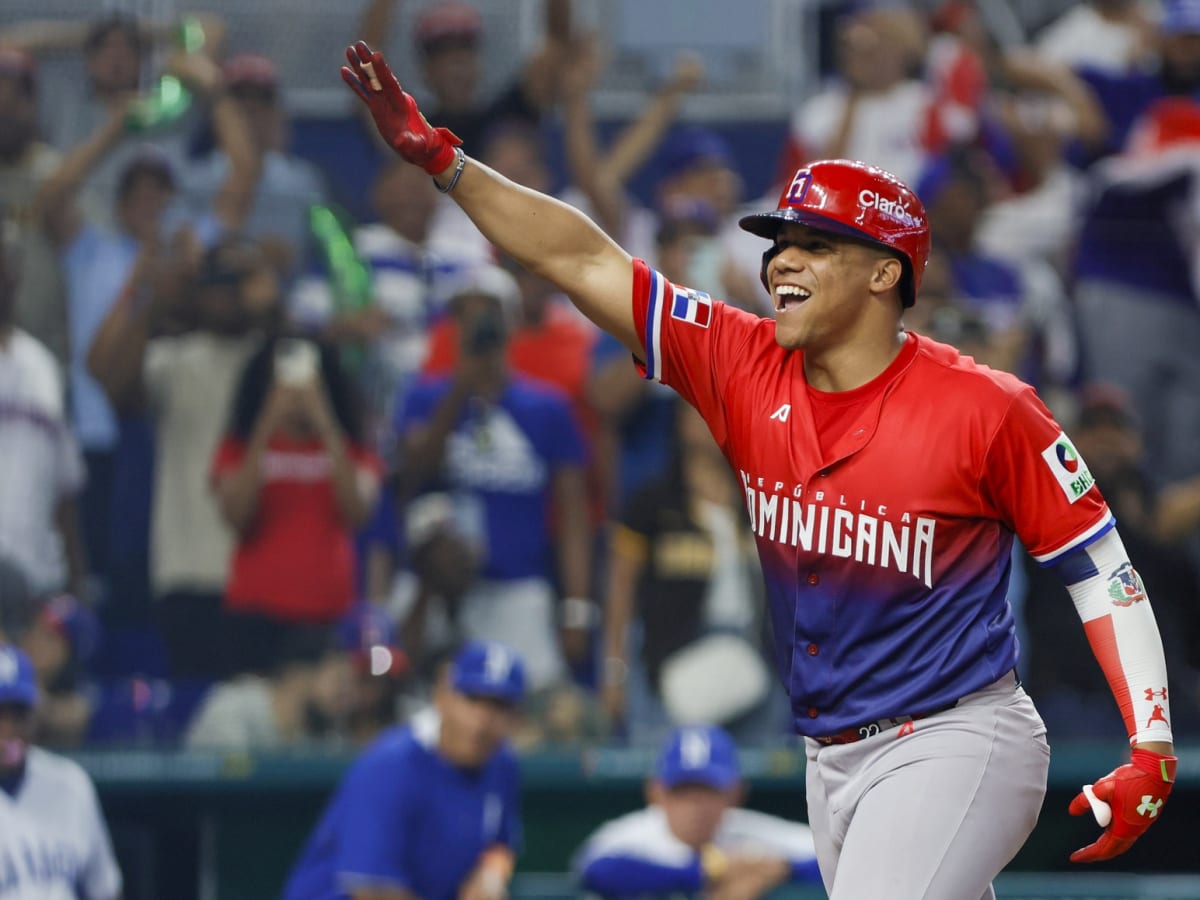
(894, 209)
(798, 189)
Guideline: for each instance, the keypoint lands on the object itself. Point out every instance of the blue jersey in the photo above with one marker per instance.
(502, 457)
(405, 817)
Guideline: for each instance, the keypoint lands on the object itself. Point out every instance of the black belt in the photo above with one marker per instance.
(869, 729)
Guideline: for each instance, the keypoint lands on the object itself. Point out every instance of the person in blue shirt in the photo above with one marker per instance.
(693, 838)
(431, 810)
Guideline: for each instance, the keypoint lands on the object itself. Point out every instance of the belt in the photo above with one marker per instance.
(869, 729)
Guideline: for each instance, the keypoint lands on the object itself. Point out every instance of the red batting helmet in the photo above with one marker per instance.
(855, 200)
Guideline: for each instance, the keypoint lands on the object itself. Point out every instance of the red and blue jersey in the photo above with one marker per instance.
(886, 546)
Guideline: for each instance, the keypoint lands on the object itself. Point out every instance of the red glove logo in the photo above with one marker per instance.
(395, 111)
(1127, 801)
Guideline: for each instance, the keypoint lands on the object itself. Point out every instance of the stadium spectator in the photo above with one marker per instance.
(448, 35)
(306, 697)
(293, 480)
(25, 162)
(55, 841)
(1136, 276)
(1115, 36)
(101, 264)
(511, 452)
(442, 560)
(693, 838)
(288, 186)
(549, 342)
(175, 355)
(59, 634)
(39, 527)
(599, 179)
(875, 107)
(90, 69)
(431, 809)
(1022, 303)
(1126, 97)
(1035, 114)
(682, 628)
(409, 271)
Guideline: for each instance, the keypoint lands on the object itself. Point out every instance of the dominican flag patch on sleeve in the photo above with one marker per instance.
(693, 307)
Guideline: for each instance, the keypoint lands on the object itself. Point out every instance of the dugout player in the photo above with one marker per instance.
(53, 839)
(692, 837)
(431, 810)
(886, 477)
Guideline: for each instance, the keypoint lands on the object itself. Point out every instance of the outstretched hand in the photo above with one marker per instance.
(1125, 803)
(395, 112)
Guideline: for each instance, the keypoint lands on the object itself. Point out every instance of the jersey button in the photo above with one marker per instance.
(812, 712)
(813, 649)
(814, 578)
(824, 473)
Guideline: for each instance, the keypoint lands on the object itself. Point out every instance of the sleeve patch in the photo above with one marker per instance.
(1068, 467)
(693, 307)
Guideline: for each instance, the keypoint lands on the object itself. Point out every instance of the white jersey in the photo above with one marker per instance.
(54, 844)
(645, 836)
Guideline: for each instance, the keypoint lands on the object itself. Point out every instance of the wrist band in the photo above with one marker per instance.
(458, 168)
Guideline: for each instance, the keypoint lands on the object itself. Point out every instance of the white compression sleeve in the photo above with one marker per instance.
(1120, 626)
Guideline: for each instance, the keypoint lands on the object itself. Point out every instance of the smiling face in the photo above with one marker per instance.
(824, 287)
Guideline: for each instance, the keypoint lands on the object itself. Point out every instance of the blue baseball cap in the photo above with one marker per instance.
(1181, 17)
(489, 669)
(699, 754)
(17, 681)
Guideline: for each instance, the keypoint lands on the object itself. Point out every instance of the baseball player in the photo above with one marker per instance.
(693, 837)
(54, 844)
(886, 478)
(431, 810)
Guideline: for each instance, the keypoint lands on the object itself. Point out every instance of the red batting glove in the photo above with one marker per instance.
(1135, 793)
(395, 112)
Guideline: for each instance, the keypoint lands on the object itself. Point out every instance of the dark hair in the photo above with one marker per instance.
(258, 375)
(149, 166)
(102, 28)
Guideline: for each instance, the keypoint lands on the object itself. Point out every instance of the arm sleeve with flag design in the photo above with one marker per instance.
(1038, 483)
(1121, 629)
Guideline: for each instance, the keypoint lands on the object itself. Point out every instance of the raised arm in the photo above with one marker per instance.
(235, 196)
(54, 204)
(546, 236)
(602, 177)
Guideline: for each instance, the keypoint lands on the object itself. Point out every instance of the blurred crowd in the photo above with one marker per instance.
(263, 466)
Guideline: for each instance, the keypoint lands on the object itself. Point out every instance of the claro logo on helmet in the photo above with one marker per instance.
(893, 209)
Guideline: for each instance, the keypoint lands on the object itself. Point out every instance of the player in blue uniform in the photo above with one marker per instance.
(432, 809)
(692, 838)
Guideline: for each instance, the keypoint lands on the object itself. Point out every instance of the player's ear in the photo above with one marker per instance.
(886, 274)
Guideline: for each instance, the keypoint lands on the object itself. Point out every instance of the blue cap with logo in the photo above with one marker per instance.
(699, 754)
(489, 669)
(17, 681)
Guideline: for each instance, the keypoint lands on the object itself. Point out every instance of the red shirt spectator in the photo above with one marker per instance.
(297, 562)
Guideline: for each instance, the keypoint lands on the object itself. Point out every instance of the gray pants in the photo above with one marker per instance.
(934, 814)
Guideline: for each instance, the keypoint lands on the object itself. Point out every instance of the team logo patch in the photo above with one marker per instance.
(693, 307)
(1125, 586)
(1070, 471)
